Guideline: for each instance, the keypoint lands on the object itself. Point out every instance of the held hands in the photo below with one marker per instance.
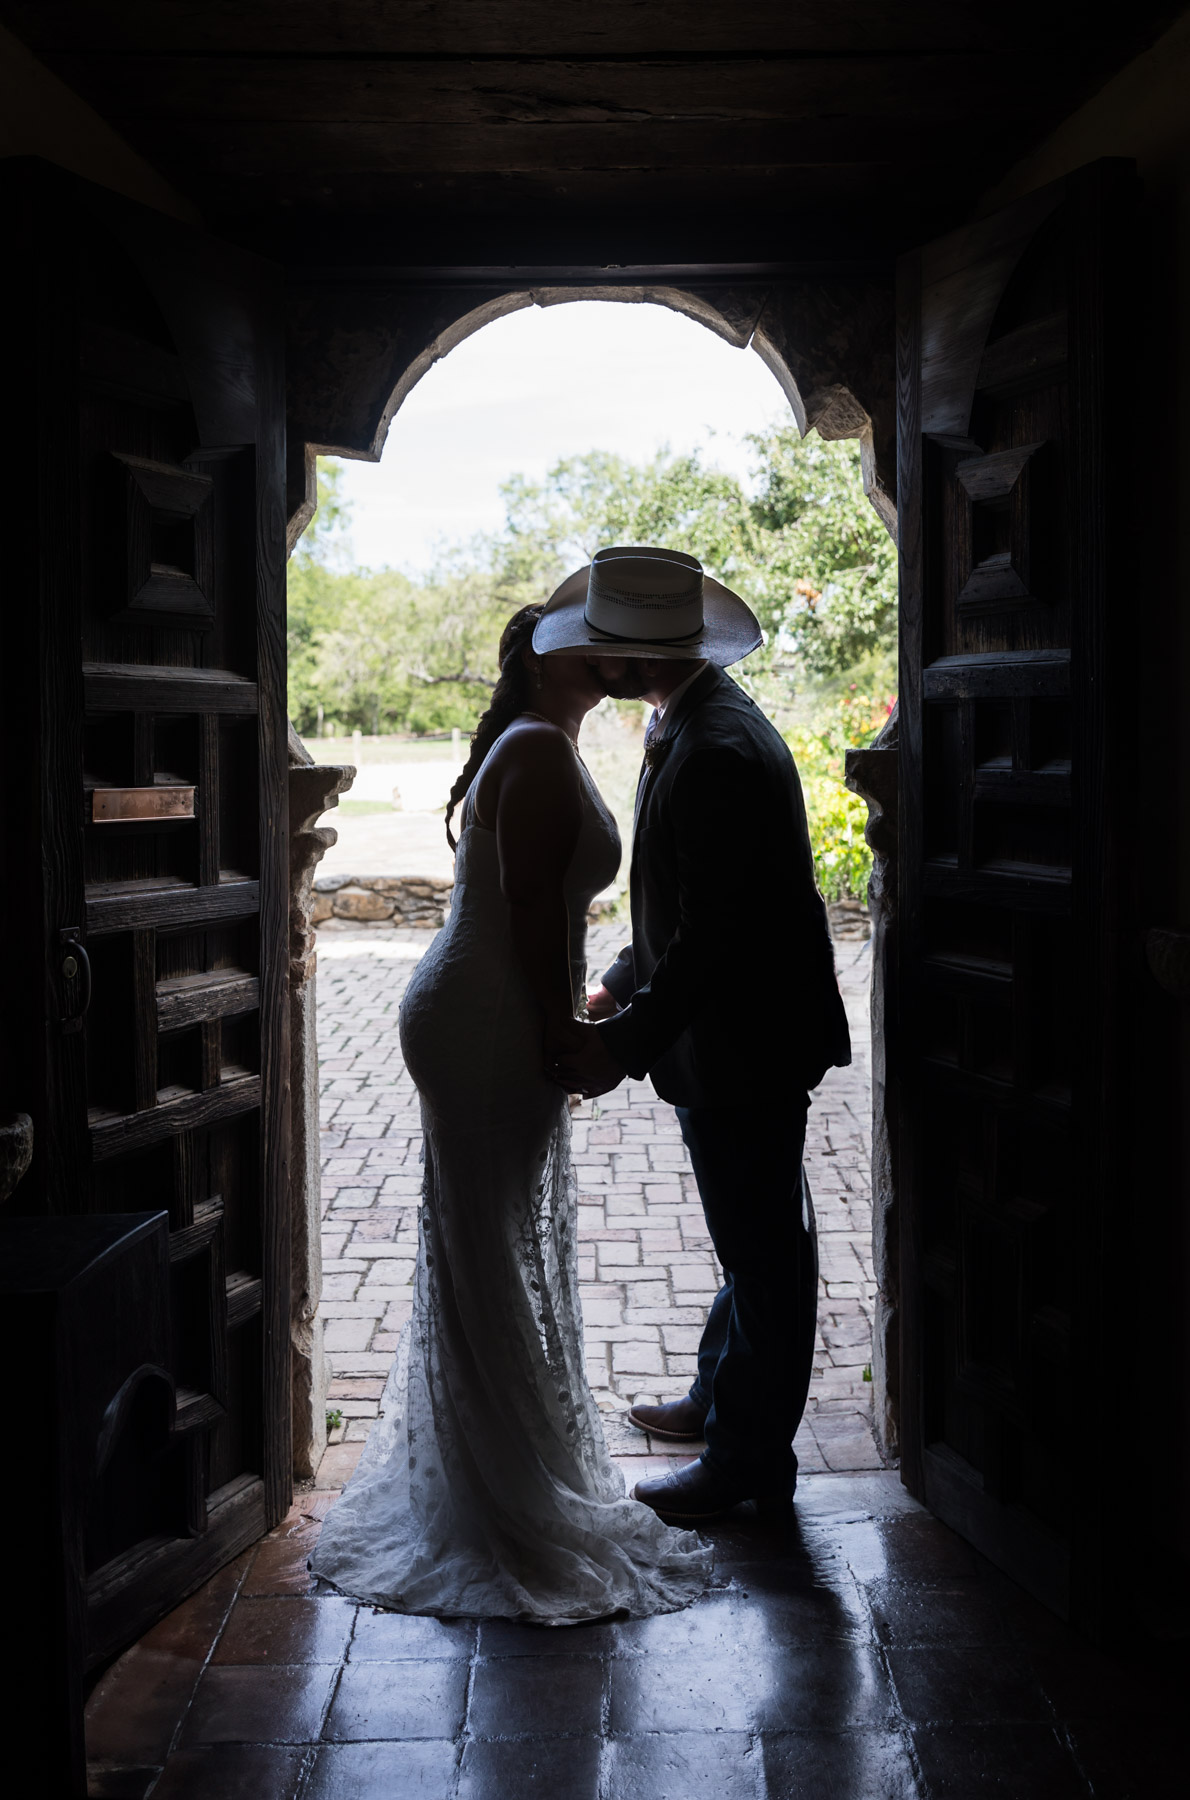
(579, 1061)
(602, 1004)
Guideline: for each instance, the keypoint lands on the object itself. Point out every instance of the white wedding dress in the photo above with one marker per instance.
(486, 1487)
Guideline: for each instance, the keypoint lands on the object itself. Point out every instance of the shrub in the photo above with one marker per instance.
(835, 724)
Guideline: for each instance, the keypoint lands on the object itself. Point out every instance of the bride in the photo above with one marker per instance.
(486, 1487)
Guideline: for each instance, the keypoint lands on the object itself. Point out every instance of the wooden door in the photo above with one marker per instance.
(1014, 519)
(144, 824)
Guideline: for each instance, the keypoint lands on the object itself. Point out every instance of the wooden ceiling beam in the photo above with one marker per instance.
(561, 28)
(586, 218)
(943, 89)
(427, 151)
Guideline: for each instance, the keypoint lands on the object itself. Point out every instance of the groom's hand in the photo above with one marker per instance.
(602, 1003)
(588, 1067)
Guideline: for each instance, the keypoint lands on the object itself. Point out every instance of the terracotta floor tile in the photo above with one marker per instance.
(133, 1713)
(398, 1700)
(697, 1765)
(718, 1624)
(1133, 1760)
(504, 1637)
(406, 1771)
(314, 1504)
(839, 1765)
(772, 1684)
(820, 1613)
(280, 1705)
(1026, 1762)
(512, 1696)
(279, 1566)
(961, 1685)
(286, 1629)
(915, 1547)
(234, 1772)
(956, 1612)
(338, 1465)
(1082, 1683)
(191, 1628)
(561, 1768)
(824, 1687)
(403, 1637)
(685, 1693)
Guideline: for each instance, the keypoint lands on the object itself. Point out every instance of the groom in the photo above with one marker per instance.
(735, 1042)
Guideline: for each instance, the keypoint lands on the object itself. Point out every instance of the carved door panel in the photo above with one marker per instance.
(1013, 671)
(145, 700)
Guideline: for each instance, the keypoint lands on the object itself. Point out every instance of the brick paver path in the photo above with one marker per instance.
(647, 1270)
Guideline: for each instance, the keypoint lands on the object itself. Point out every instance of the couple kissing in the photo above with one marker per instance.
(486, 1488)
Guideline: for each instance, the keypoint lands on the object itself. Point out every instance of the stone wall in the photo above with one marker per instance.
(423, 900)
(382, 899)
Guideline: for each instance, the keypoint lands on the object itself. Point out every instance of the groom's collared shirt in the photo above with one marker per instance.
(668, 706)
(668, 709)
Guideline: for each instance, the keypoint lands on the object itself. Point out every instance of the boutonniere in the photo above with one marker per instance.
(656, 752)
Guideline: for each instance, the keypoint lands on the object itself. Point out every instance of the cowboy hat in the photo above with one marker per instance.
(637, 601)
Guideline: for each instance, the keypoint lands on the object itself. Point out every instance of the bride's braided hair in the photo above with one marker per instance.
(510, 697)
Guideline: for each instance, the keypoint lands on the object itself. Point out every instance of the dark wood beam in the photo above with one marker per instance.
(945, 86)
(533, 28)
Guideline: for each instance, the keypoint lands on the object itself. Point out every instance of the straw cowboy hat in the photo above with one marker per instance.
(637, 601)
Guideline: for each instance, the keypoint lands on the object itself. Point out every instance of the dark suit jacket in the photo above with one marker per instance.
(729, 985)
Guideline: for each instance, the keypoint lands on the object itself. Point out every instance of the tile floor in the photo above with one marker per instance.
(860, 1652)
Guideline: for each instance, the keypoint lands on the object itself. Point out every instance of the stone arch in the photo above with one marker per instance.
(356, 352)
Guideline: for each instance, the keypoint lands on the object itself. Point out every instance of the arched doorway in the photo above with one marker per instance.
(836, 413)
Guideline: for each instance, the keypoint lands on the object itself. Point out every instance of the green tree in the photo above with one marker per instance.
(804, 547)
(825, 582)
(318, 591)
(800, 542)
(409, 655)
(600, 498)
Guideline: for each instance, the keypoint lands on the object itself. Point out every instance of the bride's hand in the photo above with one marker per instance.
(587, 1067)
(562, 1038)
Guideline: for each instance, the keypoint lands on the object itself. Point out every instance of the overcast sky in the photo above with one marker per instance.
(544, 383)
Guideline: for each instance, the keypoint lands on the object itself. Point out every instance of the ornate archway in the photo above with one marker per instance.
(355, 352)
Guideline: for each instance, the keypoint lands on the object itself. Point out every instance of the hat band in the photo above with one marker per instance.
(654, 637)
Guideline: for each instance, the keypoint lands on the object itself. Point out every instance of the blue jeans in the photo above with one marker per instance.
(757, 1351)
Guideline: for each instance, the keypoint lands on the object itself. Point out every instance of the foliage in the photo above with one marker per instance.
(377, 649)
(586, 501)
(319, 594)
(805, 549)
(835, 724)
(416, 656)
(826, 585)
(382, 651)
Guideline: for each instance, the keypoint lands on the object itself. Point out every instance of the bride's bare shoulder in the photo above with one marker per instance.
(529, 747)
(532, 740)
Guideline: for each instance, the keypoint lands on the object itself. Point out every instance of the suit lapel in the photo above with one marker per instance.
(691, 700)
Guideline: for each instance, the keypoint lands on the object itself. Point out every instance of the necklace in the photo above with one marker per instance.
(573, 742)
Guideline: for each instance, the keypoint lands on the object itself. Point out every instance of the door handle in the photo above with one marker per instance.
(74, 968)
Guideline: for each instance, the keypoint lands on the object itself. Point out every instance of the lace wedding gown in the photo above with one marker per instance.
(486, 1487)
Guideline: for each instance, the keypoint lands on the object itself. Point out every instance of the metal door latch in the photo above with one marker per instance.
(74, 968)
